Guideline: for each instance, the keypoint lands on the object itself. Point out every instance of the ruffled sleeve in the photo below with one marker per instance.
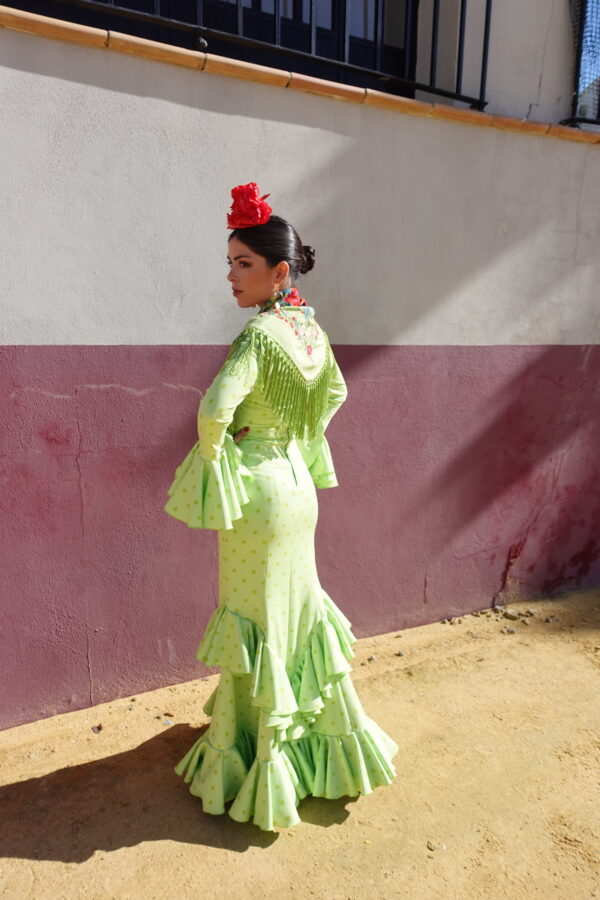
(209, 490)
(316, 451)
(209, 493)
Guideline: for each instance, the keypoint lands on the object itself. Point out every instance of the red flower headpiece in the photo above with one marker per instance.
(248, 208)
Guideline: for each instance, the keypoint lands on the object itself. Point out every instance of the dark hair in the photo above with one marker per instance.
(277, 240)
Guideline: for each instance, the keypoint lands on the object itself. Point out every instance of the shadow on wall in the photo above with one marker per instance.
(398, 207)
(529, 460)
(475, 468)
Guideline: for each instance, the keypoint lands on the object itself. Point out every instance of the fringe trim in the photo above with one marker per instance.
(299, 401)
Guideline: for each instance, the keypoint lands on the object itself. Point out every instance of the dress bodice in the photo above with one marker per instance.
(281, 379)
(284, 357)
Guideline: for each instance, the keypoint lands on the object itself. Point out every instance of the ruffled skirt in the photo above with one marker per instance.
(286, 720)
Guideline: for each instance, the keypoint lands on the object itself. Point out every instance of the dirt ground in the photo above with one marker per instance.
(496, 794)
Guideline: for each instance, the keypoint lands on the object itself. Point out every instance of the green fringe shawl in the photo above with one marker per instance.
(299, 401)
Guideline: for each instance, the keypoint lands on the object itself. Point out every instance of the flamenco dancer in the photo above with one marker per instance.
(286, 721)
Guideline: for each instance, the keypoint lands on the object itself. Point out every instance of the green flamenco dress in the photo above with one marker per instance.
(286, 721)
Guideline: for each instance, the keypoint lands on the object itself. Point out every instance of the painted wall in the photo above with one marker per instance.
(456, 272)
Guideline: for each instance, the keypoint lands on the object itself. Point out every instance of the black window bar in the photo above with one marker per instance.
(585, 106)
(306, 36)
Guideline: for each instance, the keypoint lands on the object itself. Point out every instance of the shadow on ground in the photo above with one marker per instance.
(124, 800)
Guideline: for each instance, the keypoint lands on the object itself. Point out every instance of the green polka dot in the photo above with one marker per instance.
(269, 583)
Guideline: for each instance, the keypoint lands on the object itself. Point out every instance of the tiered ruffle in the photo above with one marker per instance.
(342, 765)
(319, 763)
(268, 792)
(209, 493)
(216, 775)
(290, 703)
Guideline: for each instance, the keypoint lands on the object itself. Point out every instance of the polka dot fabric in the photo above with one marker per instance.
(285, 718)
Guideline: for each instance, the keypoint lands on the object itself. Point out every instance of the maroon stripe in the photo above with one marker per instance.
(465, 473)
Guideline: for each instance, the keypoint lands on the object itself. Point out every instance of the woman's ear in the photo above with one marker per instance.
(283, 270)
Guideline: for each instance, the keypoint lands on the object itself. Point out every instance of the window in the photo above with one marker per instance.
(368, 43)
(585, 17)
(342, 42)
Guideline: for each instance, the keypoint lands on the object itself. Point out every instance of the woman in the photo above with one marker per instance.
(285, 718)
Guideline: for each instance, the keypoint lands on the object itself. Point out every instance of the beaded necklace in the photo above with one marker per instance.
(305, 330)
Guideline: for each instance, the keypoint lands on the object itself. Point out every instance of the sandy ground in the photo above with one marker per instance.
(496, 795)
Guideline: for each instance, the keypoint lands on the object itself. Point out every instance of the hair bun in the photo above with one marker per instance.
(309, 259)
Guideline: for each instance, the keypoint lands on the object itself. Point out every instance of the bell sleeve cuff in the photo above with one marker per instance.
(209, 493)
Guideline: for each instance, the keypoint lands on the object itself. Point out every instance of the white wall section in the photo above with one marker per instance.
(115, 186)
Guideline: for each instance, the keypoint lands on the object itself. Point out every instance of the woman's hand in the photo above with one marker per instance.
(241, 433)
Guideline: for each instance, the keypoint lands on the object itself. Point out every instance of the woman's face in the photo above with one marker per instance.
(253, 281)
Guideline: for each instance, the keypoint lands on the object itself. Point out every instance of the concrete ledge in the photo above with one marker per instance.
(136, 46)
(235, 68)
(456, 114)
(506, 123)
(398, 104)
(555, 130)
(326, 88)
(57, 29)
(44, 26)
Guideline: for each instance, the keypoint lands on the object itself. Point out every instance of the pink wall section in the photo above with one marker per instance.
(464, 472)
